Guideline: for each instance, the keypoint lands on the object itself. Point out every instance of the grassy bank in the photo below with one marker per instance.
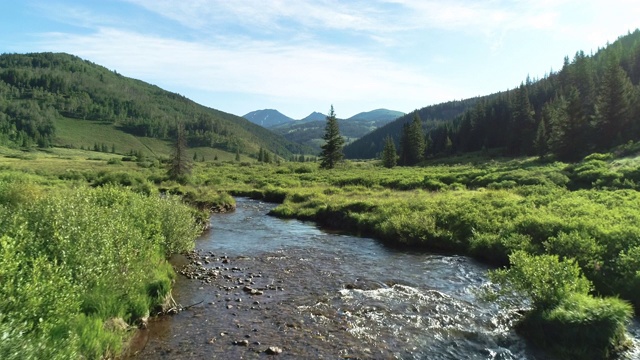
(80, 265)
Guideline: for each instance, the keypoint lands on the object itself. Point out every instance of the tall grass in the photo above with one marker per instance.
(71, 259)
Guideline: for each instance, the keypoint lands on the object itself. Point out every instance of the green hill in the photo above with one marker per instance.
(61, 100)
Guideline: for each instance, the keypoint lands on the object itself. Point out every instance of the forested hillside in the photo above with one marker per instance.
(370, 145)
(591, 104)
(36, 90)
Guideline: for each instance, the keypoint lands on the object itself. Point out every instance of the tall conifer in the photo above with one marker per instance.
(389, 155)
(332, 148)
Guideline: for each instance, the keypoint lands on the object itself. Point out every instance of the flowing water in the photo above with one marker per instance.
(259, 285)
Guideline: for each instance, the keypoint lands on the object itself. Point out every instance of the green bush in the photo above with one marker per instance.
(581, 327)
(543, 279)
(72, 259)
(564, 318)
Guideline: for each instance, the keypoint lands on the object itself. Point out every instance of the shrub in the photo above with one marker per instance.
(543, 279)
(72, 259)
(581, 327)
(564, 318)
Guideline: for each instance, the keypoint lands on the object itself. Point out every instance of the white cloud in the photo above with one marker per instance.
(295, 51)
(296, 73)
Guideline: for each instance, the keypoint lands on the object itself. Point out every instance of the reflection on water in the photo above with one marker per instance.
(271, 283)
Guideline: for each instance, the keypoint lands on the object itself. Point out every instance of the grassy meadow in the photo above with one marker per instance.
(571, 233)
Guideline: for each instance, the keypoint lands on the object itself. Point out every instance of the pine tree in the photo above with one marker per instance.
(389, 155)
(416, 139)
(522, 129)
(614, 106)
(541, 143)
(405, 145)
(180, 165)
(412, 143)
(332, 148)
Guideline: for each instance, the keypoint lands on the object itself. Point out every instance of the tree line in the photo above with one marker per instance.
(591, 105)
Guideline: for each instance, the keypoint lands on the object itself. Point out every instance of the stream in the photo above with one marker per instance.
(260, 286)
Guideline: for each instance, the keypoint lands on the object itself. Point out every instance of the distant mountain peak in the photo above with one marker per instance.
(267, 117)
(315, 116)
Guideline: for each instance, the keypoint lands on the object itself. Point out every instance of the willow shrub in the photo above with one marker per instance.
(564, 318)
(73, 259)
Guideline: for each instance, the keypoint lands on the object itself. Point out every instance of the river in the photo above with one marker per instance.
(261, 286)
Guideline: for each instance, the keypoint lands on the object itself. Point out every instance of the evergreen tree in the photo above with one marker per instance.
(389, 155)
(332, 148)
(614, 106)
(522, 129)
(404, 145)
(237, 154)
(542, 138)
(261, 155)
(180, 165)
(412, 143)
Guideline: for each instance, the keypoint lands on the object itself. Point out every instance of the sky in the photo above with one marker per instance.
(300, 56)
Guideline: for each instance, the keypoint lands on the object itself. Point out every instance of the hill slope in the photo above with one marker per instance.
(592, 104)
(370, 145)
(37, 90)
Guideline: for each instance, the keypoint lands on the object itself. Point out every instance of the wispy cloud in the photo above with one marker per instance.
(406, 52)
(322, 74)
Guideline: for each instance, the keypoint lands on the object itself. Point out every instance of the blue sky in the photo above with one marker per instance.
(300, 56)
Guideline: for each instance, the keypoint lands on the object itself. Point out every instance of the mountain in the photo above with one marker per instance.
(309, 132)
(314, 116)
(378, 116)
(59, 99)
(591, 105)
(267, 118)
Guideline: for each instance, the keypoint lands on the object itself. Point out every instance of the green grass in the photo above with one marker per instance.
(77, 134)
(588, 213)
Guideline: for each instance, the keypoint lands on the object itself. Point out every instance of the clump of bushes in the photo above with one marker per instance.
(564, 317)
(73, 260)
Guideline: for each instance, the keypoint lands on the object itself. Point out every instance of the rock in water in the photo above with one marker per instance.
(273, 350)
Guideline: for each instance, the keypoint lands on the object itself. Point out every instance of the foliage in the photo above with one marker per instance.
(543, 279)
(595, 328)
(73, 259)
